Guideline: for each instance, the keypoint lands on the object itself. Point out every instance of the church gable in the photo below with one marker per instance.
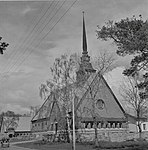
(45, 109)
(100, 100)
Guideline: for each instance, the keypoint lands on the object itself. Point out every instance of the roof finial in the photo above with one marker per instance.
(84, 37)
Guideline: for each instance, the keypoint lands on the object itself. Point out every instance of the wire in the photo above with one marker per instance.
(20, 47)
(46, 34)
(27, 37)
(25, 50)
(19, 58)
(13, 53)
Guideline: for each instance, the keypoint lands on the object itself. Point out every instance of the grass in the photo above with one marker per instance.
(54, 146)
(127, 145)
(20, 139)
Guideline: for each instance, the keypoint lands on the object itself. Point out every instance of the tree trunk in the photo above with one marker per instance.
(140, 131)
(96, 133)
(139, 125)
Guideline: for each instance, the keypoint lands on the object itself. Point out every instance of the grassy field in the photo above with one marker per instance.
(128, 145)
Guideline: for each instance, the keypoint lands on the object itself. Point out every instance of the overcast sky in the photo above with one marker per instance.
(37, 36)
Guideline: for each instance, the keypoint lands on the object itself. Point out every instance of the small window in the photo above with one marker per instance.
(100, 104)
(144, 126)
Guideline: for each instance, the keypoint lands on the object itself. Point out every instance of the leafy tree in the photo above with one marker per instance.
(43, 91)
(63, 73)
(9, 120)
(63, 76)
(131, 37)
(3, 46)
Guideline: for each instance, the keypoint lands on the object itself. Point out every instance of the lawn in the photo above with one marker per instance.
(54, 146)
(127, 145)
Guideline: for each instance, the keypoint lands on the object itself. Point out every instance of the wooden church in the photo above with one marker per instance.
(92, 98)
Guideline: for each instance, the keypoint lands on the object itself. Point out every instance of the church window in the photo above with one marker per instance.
(86, 124)
(100, 104)
(144, 126)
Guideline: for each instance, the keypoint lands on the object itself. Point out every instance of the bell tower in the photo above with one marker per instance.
(85, 68)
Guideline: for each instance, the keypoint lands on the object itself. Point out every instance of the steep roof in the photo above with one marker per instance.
(24, 124)
(96, 88)
(97, 84)
(46, 109)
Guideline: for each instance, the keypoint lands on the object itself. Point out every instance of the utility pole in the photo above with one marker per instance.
(1, 128)
(73, 125)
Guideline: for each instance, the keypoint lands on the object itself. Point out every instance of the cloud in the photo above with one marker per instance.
(27, 10)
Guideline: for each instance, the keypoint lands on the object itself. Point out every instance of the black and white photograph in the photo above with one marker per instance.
(74, 75)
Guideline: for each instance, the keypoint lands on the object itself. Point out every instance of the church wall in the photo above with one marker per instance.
(40, 125)
(110, 108)
(46, 124)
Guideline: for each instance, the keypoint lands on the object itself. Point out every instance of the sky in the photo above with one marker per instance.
(40, 31)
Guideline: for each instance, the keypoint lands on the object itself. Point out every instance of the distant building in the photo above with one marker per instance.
(20, 127)
(132, 123)
(24, 127)
(110, 113)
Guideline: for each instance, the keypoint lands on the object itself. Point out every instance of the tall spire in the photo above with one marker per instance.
(85, 68)
(84, 37)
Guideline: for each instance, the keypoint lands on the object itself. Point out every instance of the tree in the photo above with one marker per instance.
(3, 46)
(63, 77)
(131, 38)
(34, 110)
(43, 91)
(103, 64)
(131, 96)
(62, 73)
(64, 82)
(9, 120)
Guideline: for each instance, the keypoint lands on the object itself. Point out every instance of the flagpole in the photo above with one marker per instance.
(73, 119)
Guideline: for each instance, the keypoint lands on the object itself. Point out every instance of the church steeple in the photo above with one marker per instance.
(84, 37)
(85, 68)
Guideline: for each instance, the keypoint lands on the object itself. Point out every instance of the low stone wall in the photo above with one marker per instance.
(103, 134)
(113, 135)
